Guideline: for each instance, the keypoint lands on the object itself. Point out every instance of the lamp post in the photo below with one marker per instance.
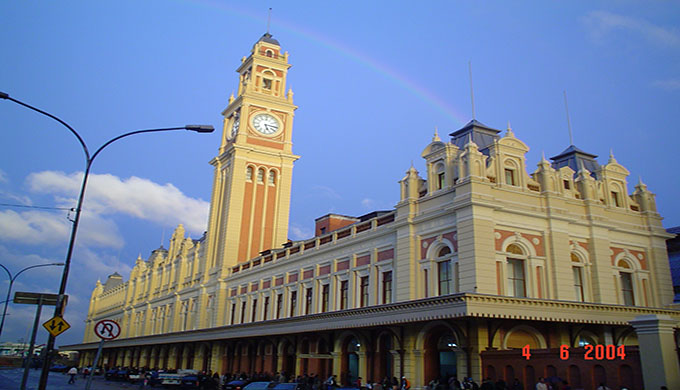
(58, 310)
(11, 282)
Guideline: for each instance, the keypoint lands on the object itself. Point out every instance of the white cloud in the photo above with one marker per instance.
(35, 227)
(3, 176)
(368, 203)
(602, 23)
(134, 196)
(326, 192)
(300, 233)
(669, 85)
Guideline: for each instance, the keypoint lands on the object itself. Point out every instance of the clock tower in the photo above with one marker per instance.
(250, 200)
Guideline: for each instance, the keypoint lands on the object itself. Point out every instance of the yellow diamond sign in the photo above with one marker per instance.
(56, 326)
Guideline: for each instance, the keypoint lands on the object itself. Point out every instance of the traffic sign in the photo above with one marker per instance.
(56, 326)
(107, 329)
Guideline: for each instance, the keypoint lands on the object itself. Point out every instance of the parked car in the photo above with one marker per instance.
(111, 374)
(289, 386)
(134, 375)
(236, 385)
(58, 368)
(122, 374)
(259, 385)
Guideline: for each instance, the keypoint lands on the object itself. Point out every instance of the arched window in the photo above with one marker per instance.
(510, 171)
(269, 53)
(516, 274)
(440, 177)
(272, 178)
(626, 279)
(260, 176)
(444, 277)
(249, 173)
(577, 270)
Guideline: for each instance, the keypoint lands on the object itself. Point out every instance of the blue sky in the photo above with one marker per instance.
(371, 79)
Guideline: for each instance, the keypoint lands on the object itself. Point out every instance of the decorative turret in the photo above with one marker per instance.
(644, 197)
(545, 175)
(586, 184)
(472, 161)
(410, 184)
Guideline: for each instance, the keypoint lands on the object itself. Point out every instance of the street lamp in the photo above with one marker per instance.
(88, 164)
(11, 282)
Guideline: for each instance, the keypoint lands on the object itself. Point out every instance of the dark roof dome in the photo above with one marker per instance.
(267, 37)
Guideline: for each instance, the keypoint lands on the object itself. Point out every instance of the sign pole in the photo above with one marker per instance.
(29, 358)
(94, 366)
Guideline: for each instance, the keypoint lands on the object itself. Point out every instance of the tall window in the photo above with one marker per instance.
(279, 305)
(387, 287)
(516, 277)
(324, 298)
(577, 270)
(510, 177)
(265, 309)
(293, 302)
(260, 176)
(233, 313)
(253, 313)
(308, 301)
(272, 178)
(249, 173)
(627, 288)
(616, 199)
(440, 180)
(344, 289)
(426, 284)
(363, 293)
(578, 283)
(444, 273)
(243, 311)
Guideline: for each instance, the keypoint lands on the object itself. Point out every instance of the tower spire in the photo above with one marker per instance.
(472, 91)
(269, 19)
(566, 107)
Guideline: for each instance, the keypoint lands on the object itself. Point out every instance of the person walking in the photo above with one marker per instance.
(73, 371)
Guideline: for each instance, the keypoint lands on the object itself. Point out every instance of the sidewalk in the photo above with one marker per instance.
(11, 380)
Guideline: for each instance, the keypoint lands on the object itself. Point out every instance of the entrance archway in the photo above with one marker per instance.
(441, 354)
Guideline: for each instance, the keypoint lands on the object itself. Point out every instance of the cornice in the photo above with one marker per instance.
(461, 305)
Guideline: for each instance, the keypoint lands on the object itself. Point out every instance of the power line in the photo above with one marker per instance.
(37, 207)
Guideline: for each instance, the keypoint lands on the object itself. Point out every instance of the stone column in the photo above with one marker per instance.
(657, 351)
(336, 363)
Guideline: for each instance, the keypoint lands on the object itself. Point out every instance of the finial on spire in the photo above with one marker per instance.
(269, 19)
(566, 107)
(435, 137)
(472, 92)
(231, 97)
(611, 156)
(509, 132)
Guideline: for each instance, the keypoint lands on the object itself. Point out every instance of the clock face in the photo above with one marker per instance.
(265, 124)
(234, 128)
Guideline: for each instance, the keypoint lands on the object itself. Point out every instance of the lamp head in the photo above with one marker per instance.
(4, 95)
(200, 128)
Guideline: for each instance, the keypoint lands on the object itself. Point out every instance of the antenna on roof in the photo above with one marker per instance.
(472, 91)
(566, 106)
(269, 19)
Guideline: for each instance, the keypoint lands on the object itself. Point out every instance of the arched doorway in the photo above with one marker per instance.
(385, 363)
(352, 361)
(441, 360)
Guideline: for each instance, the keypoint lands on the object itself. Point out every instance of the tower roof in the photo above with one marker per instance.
(574, 158)
(267, 37)
(482, 135)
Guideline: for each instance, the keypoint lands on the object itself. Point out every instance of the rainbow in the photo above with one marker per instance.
(384, 70)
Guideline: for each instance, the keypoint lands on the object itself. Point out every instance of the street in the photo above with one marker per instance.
(10, 379)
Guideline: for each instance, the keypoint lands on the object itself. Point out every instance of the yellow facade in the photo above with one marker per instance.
(478, 258)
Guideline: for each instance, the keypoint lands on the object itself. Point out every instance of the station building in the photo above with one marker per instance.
(481, 269)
